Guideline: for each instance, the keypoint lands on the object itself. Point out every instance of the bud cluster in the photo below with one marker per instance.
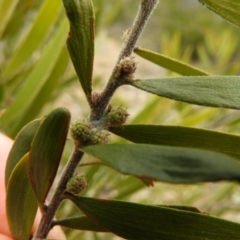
(84, 134)
(126, 67)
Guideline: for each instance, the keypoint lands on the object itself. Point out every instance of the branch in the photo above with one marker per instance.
(48, 215)
(99, 104)
(116, 79)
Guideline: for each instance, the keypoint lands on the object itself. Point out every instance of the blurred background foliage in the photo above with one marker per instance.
(37, 76)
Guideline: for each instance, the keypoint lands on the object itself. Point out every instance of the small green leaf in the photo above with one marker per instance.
(141, 222)
(21, 146)
(170, 63)
(80, 223)
(169, 164)
(212, 91)
(46, 151)
(21, 203)
(228, 9)
(181, 137)
(80, 41)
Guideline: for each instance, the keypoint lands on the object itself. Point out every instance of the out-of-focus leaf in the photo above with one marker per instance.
(181, 137)
(228, 9)
(6, 10)
(80, 41)
(105, 14)
(98, 12)
(37, 32)
(212, 91)
(169, 164)
(46, 151)
(153, 105)
(21, 146)
(199, 116)
(136, 221)
(115, 8)
(44, 94)
(80, 223)
(127, 188)
(2, 90)
(170, 63)
(21, 203)
(35, 81)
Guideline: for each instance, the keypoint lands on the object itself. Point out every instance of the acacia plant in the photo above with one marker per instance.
(172, 154)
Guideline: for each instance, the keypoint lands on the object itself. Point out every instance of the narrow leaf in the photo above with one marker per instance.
(212, 91)
(46, 151)
(228, 9)
(35, 81)
(169, 164)
(80, 223)
(21, 146)
(170, 63)
(181, 137)
(184, 208)
(141, 222)
(2, 92)
(43, 93)
(6, 10)
(81, 40)
(35, 36)
(21, 203)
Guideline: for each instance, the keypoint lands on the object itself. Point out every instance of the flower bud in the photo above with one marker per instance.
(126, 67)
(98, 136)
(117, 116)
(80, 132)
(76, 185)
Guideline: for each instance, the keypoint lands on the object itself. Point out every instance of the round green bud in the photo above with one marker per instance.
(98, 136)
(80, 131)
(76, 184)
(117, 116)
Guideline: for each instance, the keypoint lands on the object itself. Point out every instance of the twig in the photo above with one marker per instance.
(98, 108)
(144, 12)
(48, 215)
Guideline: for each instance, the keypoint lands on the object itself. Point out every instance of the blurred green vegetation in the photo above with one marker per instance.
(36, 76)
